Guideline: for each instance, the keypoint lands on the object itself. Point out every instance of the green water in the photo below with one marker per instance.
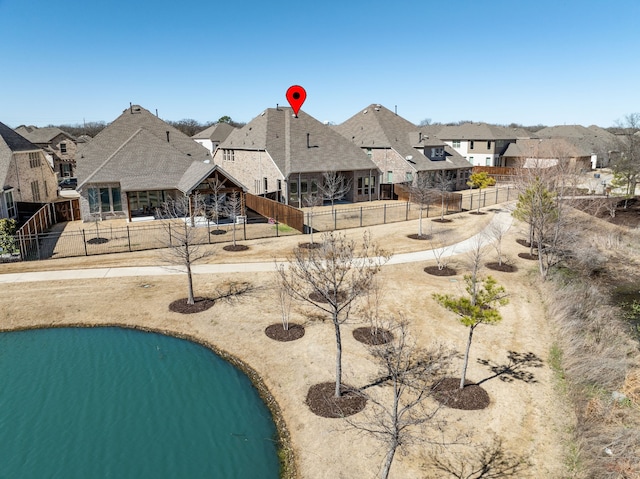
(117, 403)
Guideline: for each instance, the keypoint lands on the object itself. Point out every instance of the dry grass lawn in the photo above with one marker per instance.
(529, 416)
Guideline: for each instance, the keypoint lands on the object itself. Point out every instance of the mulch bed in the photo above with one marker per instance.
(201, 304)
(309, 245)
(238, 247)
(472, 397)
(446, 271)
(278, 333)
(528, 256)
(477, 213)
(504, 267)
(442, 220)
(523, 242)
(98, 241)
(217, 232)
(323, 403)
(419, 237)
(318, 298)
(371, 337)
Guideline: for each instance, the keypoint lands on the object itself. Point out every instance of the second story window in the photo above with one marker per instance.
(63, 147)
(34, 159)
(456, 143)
(471, 145)
(488, 145)
(228, 155)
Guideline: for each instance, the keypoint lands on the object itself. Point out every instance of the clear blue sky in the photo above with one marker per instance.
(501, 61)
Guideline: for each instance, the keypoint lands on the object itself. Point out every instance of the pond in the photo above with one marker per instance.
(111, 402)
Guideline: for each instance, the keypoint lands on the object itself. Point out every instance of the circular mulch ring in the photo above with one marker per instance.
(98, 241)
(479, 213)
(419, 237)
(528, 256)
(523, 242)
(238, 247)
(446, 271)
(201, 304)
(318, 298)
(442, 220)
(472, 397)
(323, 403)
(218, 232)
(277, 332)
(372, 337)
(309, 245)
(505, 268)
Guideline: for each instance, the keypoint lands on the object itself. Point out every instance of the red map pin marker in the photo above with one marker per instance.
(296, 97)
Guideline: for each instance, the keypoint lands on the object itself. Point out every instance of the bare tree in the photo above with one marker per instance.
(440, 247)
(401, 410)
(234, 209)
(184, 248)
(216, 203)
(284, 298)
(443, 184)
(332, 277)
(372, 304)
(311, 201)
(421, 193)
(334, 187)
(482, 461)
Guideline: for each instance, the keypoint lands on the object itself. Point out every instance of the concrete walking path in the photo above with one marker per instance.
(502, 218)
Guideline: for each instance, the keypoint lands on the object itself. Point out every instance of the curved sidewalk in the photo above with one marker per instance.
(503, 217)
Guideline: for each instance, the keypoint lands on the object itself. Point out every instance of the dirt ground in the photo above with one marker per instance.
(529, 415)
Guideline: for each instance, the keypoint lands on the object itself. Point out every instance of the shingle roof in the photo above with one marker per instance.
(301, 144)
(545, 148)
(140, 151)
(41, 135)
(218, 132)
(594, 138)
(478, 131)
(379, 127)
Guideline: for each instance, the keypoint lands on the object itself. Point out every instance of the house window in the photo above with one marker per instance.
(228, 155)
(437, 153)
(389, 176)
(488, 145)
(63, 147)
(293, 192)
(65, 169)
(11, 206)
(366, 185)
(487, 161)
(314, 187)
(279, 183)
(34, 159)
(369, 152)
(265, 183)
(107, 200)
(408, 176)
(471, 145)
(456, 143)
(35, 191)
(471, 160)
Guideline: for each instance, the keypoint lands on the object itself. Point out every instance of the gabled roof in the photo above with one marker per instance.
(140, 151)
(198, 172)
(298, 144)
(183, 150)
(41, 135)
(596, 139)
(478, 132)
(379, 127)
(11, 142)
(545, 148)
(218, 132)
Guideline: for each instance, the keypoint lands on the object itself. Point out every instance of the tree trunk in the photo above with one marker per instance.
(442, 209)
(191, 299)
(387, 461)
(336, 325)
(466, 358)
(420, 224)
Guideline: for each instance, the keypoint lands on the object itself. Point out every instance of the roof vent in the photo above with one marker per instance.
(365, 112)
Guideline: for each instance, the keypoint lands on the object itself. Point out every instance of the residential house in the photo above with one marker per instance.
(284, 157)
(401, 150)
(480, 144)
(137, 163)
(211, 137)
(59, 146)
(601, 144)
(25, 174)
(546, 152)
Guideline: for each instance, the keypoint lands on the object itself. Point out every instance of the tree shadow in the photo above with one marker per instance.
(516, 368)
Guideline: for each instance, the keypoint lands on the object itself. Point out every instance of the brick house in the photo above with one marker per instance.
(59, 146)
(25, 174)
(284, 157)
(137, 163)
(401, 150)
